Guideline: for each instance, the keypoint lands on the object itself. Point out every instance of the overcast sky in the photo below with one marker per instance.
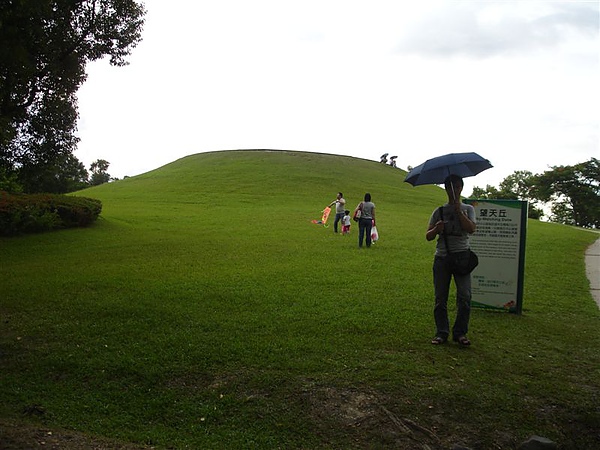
(515, 81)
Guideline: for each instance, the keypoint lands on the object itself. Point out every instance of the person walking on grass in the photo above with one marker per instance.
(366, 221)
(340, 206)
(457, 222)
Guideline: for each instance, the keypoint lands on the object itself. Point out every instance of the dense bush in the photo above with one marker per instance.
(22, 213)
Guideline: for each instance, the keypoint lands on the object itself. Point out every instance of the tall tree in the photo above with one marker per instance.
(44, 48)
(574, 192)
(63, 174)
(99, 172)
(517, 186)
(9, 182)
(519, 183)
(571, 192)
(490, 192)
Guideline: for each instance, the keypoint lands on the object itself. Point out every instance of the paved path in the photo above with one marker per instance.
(592, 269)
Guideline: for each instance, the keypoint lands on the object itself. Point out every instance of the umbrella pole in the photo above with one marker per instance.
(452, 187)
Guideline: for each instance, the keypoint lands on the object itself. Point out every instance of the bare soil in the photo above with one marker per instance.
(21, 436)
(360, 418)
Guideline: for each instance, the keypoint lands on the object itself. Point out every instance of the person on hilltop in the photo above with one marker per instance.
(340, 207)
(366, 221)
(456, 221)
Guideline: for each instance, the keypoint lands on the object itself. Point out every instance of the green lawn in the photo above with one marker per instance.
(204, 310)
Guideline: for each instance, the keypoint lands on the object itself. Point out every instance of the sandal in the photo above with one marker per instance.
(463, 340)
(438, 340)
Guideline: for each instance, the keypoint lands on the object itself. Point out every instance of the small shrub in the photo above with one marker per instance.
(32, 213)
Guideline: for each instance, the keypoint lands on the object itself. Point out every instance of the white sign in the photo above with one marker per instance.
(499, 242)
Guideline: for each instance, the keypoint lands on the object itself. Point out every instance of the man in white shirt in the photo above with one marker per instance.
(340, 207)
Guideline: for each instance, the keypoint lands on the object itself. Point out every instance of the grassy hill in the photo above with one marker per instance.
(205, 310)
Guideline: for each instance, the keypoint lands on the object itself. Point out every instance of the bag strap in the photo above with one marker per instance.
(441, 210)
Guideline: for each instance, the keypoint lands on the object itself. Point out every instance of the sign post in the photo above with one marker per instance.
(499, 242)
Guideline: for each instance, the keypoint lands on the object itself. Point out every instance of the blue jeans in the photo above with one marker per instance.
(441, 282)
(364, 226)
(338, 217)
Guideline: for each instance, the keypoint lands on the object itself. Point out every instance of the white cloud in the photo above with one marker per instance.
(487, 29)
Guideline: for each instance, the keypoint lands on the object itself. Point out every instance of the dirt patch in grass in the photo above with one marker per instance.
(19, 436)
(362, 416)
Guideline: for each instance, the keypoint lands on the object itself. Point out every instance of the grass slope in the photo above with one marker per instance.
(204, 310)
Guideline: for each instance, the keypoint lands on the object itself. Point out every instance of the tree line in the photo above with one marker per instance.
(572, 193)
(69, 176)
(44, 48)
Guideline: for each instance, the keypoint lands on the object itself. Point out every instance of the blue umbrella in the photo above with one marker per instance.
(435, 170)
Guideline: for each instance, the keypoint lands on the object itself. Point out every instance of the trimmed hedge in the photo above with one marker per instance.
(32, 213)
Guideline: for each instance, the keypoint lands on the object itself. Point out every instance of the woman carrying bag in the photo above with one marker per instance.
(366, 211)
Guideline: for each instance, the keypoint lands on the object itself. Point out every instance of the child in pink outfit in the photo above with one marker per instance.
(346, 222)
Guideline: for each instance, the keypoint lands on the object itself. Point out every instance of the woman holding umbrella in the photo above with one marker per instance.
(454, 221)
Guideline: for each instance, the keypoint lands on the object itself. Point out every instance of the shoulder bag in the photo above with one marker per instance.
(357, 212)
(461, 263)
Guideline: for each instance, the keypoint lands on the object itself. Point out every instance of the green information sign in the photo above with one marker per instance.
(499, 242)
